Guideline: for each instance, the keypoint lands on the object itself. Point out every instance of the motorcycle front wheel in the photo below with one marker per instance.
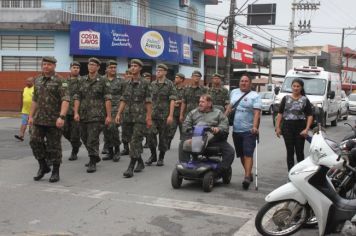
(281, 218)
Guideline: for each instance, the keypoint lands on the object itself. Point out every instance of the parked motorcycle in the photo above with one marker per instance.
(310, 192)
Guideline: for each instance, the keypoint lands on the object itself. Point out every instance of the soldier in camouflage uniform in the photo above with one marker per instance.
(92, 107)
(147, 76)
(219, 94)
(179, 79)
(71, 129)
(111, 132)
(191, 95)
(163, 97)
(50, 104)
(137, 100)
(125, 135)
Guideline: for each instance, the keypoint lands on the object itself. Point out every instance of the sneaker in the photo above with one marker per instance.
(18, 137)
(246, 183)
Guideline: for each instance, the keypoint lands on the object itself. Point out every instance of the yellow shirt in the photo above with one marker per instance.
(27, 100)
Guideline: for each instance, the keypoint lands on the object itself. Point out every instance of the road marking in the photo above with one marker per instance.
(248, 229)
(139, 199)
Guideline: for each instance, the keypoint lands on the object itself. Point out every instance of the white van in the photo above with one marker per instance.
(323, 89)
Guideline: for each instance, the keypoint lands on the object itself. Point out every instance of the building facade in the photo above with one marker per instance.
(30, 29)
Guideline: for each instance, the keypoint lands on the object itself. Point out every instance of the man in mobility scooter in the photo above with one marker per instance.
(206, 130)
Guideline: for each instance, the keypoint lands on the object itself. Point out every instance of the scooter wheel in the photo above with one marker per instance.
(176, 179)
(208, 181)
(227, 176)
(275, 218)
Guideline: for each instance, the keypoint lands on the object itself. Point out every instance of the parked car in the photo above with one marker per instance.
(352, 103)
(344, 107)
(267, 101)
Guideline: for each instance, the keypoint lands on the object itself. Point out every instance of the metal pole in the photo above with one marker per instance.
(291, 39)
(230, 39)
(217, 44)
(270, 64)
(342, 52)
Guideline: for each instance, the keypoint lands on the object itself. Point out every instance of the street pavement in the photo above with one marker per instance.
(105, 203)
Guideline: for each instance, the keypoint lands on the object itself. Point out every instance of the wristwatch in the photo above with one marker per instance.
(62, 117)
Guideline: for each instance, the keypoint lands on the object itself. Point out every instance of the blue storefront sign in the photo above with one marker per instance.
(101, 39)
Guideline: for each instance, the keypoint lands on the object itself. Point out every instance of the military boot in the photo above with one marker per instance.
(105, 149)
(160, 159)
(140, 166)
(129, 172)
(44, 169)
(152, 158)
(126, 150)
(55, 174)
(97, 159)
(73, 155)
(116, 156)
(110, 154)
(92, 165)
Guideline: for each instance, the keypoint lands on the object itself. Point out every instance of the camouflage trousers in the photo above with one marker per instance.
(46, 144)
(90, 132)
(112, 135)
(125, 132)
(138, 131)
(71, 131)
(160, 128)
(173, 129)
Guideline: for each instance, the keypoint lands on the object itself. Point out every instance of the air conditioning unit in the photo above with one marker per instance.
(184, 3)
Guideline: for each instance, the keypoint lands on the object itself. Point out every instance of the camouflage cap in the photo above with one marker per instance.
(94, 60)
(49, 59)
(146, 74)
(111, 63)
(196, 73)
(162, 66)
(180, 75)
(137, 62)
(217, 75)
(74, 63)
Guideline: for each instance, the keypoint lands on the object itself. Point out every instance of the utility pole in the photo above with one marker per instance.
(270, 64)
(342, 53)
(229, 41)
(304, 27)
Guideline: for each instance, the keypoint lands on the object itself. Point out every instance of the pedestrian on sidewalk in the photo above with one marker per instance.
(27, 95)
(246, 124)
(297, 115)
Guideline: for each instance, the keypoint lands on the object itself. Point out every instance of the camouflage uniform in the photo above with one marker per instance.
(176, 123)
(220, 97)
(71, 129)
(162, 95)
(136, 95)
(48, 94)
(125, 130)
(92, 95)
(111, 132)
(191, 97)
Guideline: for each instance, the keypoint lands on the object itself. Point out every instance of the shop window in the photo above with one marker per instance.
(20, 3)
(26, 43)
(10, 63)
(196, 59)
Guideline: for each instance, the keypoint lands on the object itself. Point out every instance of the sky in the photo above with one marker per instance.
(326, 23)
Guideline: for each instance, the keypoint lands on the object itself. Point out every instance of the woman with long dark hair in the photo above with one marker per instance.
(297, 115)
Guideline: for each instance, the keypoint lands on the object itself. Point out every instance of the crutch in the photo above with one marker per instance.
(256, 155)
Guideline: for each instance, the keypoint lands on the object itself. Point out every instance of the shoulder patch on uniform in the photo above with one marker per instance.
(64, 84)
(107, 84)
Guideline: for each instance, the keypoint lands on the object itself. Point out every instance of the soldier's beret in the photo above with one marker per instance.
(180, 75)
(162, 66)
(137, 61)
(49, 59)
(74, 63)
(217, 75)
(94, 60)
(196, 73)
(146, 74)
(111, 63)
